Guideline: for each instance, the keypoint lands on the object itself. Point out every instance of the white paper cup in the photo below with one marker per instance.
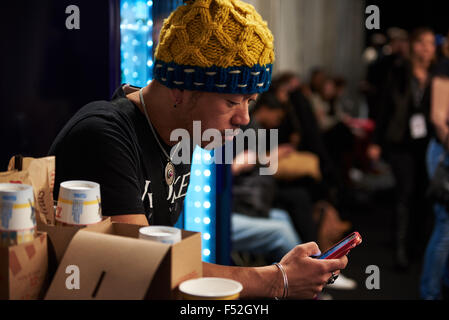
(17, 215)
(210, 289)
(79, 203)
(162, 234)
(16, 207)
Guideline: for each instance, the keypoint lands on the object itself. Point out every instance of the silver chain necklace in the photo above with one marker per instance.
(170, 173)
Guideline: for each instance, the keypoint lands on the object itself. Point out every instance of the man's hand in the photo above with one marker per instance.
(308, 276)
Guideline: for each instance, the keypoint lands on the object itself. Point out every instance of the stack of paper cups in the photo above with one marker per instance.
(162, 234)
(17, 216)
(79, 203)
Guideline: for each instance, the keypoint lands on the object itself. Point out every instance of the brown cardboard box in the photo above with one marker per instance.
(23, 269)
(114, 264)
(59, 238)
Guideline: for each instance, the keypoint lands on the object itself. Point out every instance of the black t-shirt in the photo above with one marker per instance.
(111, 143)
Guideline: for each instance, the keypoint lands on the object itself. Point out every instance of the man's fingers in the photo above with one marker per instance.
(310, 249)
(335, 264)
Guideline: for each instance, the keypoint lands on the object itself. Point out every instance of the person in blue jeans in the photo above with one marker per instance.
(435, 273)
(271, 237)
(436, 258)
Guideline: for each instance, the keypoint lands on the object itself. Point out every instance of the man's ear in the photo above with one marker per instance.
(177, 95)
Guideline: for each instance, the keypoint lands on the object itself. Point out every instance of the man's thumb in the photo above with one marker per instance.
(311, 249)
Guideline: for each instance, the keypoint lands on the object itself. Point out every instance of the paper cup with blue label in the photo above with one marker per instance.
(17, 214)
(210, 288)
(79, 203)
(168, 235)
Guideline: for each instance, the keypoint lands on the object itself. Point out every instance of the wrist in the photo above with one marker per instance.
(284, 281)
(274, 283)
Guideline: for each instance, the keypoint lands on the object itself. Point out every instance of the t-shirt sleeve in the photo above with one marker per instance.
(99, 150)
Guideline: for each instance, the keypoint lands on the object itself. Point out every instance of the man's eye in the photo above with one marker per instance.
(232, 103)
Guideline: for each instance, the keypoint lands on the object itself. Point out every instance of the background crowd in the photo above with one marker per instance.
(328, 150)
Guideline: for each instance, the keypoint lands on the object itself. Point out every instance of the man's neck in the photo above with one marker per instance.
(159, 109)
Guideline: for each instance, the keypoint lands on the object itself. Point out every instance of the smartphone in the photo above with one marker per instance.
(343, 247)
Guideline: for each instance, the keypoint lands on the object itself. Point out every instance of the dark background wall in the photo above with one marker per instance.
(47, 71)
(411, 14)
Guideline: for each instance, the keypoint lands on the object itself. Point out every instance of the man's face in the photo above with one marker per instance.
(217, 111)
(424, 47)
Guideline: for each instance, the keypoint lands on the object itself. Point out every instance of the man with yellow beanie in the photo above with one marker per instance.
(212, 60)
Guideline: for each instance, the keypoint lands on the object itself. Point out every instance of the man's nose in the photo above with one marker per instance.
(242, 117)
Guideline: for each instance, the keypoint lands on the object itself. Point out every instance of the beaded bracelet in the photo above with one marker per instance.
(284, 276)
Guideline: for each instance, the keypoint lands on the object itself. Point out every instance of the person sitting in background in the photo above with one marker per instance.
(257, 227)
(401, 135)
(334, 126)
(300, 129)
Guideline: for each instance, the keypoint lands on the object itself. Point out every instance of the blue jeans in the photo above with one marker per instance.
(273, 236)
(436, 259)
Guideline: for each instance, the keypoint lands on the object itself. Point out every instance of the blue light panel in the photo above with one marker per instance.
(199, 205)
(136, 24)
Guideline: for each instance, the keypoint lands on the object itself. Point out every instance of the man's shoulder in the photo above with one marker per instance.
(96, 120)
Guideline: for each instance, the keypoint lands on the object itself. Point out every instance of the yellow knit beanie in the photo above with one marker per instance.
(217, 46)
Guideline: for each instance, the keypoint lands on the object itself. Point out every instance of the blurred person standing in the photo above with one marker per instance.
(402, 134)
(435, 272)
(394, 54)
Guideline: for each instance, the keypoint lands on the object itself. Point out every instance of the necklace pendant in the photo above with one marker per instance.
(170, 173)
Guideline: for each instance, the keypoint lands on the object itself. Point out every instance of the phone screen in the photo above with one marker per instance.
(336, 248)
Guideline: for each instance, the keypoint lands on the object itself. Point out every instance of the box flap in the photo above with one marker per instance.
(110, 267)
(60, 236)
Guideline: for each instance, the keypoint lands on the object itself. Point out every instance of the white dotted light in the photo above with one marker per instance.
(206, 188)
(149, 3)
(197, 204)
(197, 156)
(126, 71)
(135, 58)
(197, 220)
(149, 43)
(197, 188)
(150, 23)
(197, 172)
(206, 220)
(207, 156)
(206, 236)
(135, 74)
(135, 42)
(206, 204)
(150, 63)
(206, 173)
(125, 5)
(206, 252)
(148, 82)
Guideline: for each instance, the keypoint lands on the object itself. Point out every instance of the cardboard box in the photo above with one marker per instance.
(23, 269)
(59, 237)
(113, 263)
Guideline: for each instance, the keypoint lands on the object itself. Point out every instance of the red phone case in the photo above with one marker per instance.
(356, 239)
